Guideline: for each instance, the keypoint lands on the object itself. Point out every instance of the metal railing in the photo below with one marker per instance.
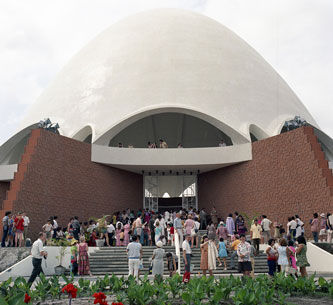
(177, 246)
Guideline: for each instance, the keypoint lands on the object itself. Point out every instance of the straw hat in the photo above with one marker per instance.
(159, 244)
(73, 242)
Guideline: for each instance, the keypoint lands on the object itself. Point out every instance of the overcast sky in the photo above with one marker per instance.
(38, 37)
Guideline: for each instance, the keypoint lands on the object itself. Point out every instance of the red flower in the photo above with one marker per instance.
(117, 303)
(27, 298)
(100, 298)
(70, 289)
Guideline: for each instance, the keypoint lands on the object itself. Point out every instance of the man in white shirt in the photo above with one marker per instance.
(177, 223)
(37, 252)
(299, 227)
(25, 224)
(187, 253)
(292, 227)
(55, 226)
(110, 230)
(134, 253)
(266, 228)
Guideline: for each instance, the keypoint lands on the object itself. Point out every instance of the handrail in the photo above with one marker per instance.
(177, 246)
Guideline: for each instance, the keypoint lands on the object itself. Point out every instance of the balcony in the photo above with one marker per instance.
(175, 159)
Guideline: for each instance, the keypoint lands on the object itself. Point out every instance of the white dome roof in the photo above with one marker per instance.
(167, 60)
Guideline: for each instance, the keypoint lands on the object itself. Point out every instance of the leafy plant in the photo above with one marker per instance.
(63, 245)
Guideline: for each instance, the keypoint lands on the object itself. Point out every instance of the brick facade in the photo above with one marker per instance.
(56, 177)
(288, 175)
(4, 187)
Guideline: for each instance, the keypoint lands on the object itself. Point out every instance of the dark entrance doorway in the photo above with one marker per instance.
(169, 204)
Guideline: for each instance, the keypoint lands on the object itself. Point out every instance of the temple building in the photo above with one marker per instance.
(233, 133)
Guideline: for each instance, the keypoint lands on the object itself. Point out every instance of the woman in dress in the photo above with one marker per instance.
(18, 224)
(158, 231)
(223, 254)
(302, 261)
(292, 256)
(208, 256)
(283, 254)
(204, 254)
(211, 231)
(213, 216)
(189, 226)
(118, 231)
(158, 264)
(82, 257)
(127, 229)
(271, 257)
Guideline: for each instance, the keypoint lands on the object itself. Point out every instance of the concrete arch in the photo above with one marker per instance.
(84, 135)
(257, 133)
(236, 137)
(11, 151)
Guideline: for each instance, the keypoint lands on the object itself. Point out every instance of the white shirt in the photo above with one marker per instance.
(47, 227)
(293, 225)
(110, 228)
(166, 216)
(134, 250)
(266, 224)
(330, 219)
(162, 223)
(186, 247)
(37, 248)
(300, 228)
(26, 221)
(55, 224)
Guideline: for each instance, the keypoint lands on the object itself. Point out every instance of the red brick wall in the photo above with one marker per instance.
(4, 187)
(288, 175)
(61, 180)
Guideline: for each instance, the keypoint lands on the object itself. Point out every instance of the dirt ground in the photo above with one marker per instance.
(293, 300)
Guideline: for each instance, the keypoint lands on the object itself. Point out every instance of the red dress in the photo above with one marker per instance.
(19, 225)
(83, 262)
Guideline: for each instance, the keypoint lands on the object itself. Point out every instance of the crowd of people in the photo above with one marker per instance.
(164, 144)
(15, 229)
(286, 246)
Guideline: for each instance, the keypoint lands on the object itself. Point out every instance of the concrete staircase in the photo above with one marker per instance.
(113, 260)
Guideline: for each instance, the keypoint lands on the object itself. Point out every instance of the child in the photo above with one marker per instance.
(172, 262)
(59, 233)
(169, 235)
(222, 253)
(172, 234)
(292, 256)
(122, 237)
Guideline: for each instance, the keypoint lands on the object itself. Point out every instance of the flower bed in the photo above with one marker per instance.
(112, 289)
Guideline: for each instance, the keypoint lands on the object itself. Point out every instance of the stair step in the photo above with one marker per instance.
(113, 260)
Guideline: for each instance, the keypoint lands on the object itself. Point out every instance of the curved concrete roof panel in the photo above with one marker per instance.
(167, 58)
